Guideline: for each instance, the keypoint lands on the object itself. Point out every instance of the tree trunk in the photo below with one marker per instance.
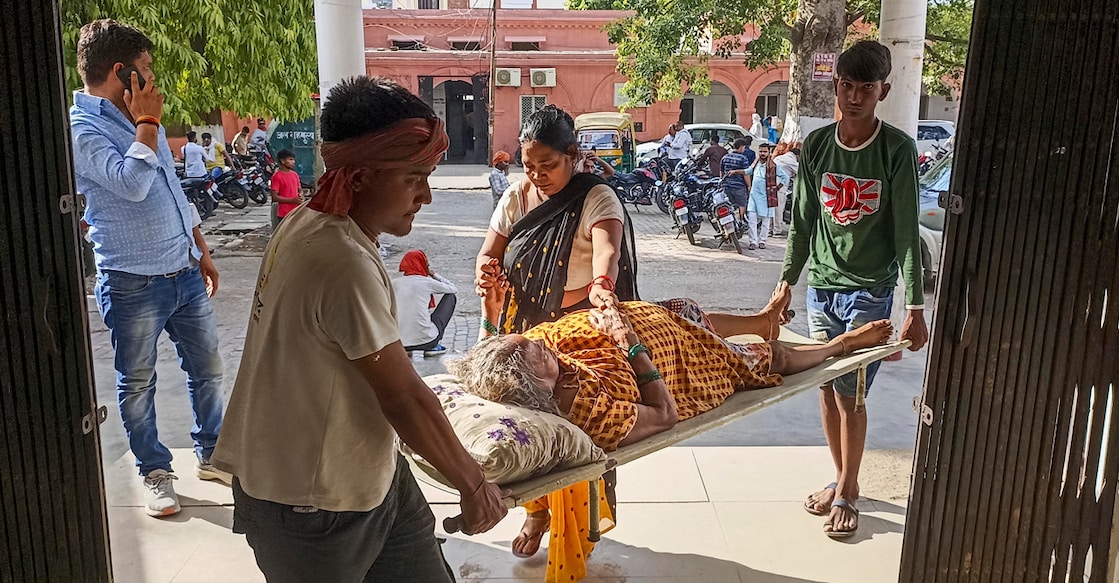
(902, 29)
(820, 27)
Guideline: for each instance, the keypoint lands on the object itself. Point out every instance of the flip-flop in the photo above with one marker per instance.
(842, 534)
(539, 539)
(809, 504)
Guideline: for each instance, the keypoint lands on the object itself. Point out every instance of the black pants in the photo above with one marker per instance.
(441, 316)
(393, 543)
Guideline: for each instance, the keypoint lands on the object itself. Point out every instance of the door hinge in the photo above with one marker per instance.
(956, 204)
(70, 202)
(926, 412)
(93, 419)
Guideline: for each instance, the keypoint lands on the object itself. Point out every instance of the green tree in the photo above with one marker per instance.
(947, 30)
(665, 45)
(251, 57)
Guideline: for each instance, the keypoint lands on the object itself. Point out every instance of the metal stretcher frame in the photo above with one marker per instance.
(736, 406)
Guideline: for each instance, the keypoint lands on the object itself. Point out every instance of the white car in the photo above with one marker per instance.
(932, 133)
(701, 134)
(930, 221)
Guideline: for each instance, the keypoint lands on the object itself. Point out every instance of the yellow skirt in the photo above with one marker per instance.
(568, 547)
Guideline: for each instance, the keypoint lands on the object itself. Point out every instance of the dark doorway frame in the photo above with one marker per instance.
(54, 522)
(1016, 465)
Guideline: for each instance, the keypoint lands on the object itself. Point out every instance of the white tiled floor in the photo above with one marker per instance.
(685, 515)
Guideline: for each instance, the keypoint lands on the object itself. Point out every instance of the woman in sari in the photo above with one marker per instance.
(624, 373)
(562, 238)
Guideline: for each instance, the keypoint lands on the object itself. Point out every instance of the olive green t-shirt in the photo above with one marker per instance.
(855, 215)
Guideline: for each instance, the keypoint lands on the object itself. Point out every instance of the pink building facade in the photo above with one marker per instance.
(544, 56)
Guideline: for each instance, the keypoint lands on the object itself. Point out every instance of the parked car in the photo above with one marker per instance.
(701, 134)
(932, 133)
(931, 220)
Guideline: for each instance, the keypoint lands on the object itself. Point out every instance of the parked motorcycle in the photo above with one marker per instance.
(635, 187)
(234, 188)
(256, 179)
(928, 159)
(661, 191)
(202, 193)
(723, 220)
(692, 194)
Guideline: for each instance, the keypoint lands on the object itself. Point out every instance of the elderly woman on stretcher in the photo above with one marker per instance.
(630, 370)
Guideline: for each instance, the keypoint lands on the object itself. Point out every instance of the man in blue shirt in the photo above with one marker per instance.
(194, 157)
(734, 166)
(154, 269)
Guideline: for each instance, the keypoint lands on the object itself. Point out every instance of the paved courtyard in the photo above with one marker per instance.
(721, 507)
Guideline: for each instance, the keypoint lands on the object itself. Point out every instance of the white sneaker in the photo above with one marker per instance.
(206, 471)
(160, 496)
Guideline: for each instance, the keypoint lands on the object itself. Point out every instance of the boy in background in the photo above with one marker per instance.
(855, 216)
(285, 186)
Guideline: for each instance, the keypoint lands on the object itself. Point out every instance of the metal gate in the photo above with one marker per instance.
(1015, 476)
(52, 505)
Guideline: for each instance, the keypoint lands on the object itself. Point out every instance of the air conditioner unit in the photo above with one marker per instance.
(543, 77)
(507, 78)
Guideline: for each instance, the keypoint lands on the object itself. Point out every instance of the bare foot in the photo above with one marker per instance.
(528, 542)
(775, 310)
(870, 335)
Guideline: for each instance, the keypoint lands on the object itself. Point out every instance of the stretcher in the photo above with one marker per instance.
(734, 408)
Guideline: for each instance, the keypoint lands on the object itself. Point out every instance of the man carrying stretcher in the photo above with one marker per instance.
(325, 388)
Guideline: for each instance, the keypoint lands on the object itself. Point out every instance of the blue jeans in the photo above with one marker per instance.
(831, 313)
(137, 309)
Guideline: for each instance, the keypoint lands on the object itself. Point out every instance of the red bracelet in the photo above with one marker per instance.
(605, 281)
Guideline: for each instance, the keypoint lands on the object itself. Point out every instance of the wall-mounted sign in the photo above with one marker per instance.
(823, 66)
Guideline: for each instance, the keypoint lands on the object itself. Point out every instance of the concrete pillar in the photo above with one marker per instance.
(902, 30)
(340, 34)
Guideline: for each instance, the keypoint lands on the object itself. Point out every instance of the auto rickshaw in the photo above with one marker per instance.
(609, 135)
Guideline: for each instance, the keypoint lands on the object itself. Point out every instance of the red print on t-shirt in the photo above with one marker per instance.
(849, 199)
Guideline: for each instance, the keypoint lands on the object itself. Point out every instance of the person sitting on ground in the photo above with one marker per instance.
(631, 370)
(422, 321)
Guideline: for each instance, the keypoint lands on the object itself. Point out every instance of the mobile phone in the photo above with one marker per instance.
(125, 76)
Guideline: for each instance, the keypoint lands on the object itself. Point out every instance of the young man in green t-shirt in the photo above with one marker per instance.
(856, 218)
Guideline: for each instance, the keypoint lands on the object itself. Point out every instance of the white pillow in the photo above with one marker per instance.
(512, 443)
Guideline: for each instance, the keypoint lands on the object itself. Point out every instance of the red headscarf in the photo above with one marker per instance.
(415, 262)
(410, 142)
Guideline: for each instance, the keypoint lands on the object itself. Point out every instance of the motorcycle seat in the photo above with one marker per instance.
(192, 182)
